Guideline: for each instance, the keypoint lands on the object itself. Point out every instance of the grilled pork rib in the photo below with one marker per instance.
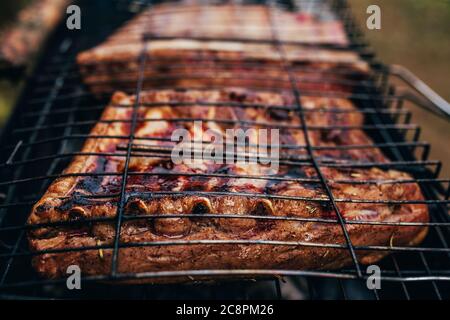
(184, 60)
(156, 187)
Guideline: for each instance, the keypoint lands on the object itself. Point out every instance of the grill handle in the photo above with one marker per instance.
(433, 102)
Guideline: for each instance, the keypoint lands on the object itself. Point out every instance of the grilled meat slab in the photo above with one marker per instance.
(184, 60)
(156, 187)
(232, 21)
(20, 41)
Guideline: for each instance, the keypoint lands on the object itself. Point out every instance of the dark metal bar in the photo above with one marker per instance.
(221, 216)
(305, 93)
(121, 207)
(13, 153)
(399, 273)
(231, 104)
(214, 73)
(249, 242)
(296, 94)
(278, 289)
(59, 81)
(214, 273)
(283, 146)
(427, 268)
(223, 175)
(248, 122)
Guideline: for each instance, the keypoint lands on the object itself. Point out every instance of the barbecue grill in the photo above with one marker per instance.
(56, 112)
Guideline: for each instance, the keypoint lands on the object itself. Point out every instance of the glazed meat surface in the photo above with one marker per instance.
(177, 57)
(232, 21)
(155, 187)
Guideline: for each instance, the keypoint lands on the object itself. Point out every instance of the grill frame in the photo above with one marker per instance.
(379, 96)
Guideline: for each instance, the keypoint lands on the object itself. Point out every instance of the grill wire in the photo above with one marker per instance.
(54, 117)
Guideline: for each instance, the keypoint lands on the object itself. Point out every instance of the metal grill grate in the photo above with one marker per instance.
(54, 118)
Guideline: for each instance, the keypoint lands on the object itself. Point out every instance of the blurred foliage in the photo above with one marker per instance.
(416, 34)
(8, 94)
(8, 89)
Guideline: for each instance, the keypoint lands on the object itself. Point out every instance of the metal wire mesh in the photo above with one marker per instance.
(55, 116)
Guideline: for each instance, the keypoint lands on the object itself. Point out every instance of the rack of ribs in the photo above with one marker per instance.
(224, 45)
(276, 220)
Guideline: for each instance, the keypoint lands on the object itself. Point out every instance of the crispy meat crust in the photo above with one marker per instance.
(113, 64)
(65, 199)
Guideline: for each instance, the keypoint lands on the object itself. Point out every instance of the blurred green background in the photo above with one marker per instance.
(415, 33)
(8, 90)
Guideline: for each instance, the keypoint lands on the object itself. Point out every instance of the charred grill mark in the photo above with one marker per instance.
(168, 165)
(200, 208)
(315, 186)
(65, 205)
(136, 206)
(196, 184)
(78, 199)
(332, 135)
(286, 138)
(279, 114)
(264, 225)
(93, 184)
(222, 187)
(43, 208)
(238, 96)
(223, 170)
(77, 213)
(90, 185)
(222, 183)
(271, 187)
(326, 209)
(263, 208)
(295, 172)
